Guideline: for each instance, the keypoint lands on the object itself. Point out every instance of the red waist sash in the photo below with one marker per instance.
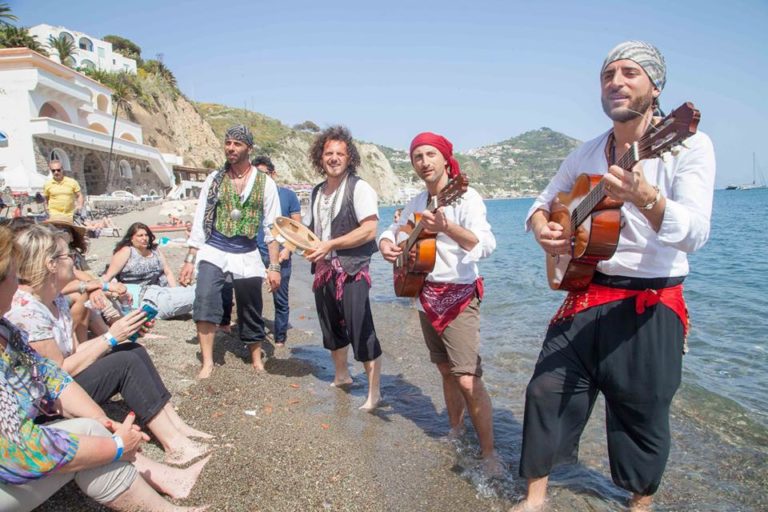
(443, 302)
(597, 295)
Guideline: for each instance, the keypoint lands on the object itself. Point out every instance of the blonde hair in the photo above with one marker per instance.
(38, 244)
(9, 250)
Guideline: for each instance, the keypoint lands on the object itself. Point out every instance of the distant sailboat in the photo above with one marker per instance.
(756, 173)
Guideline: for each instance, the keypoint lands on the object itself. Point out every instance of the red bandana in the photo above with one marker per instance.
(443, 145)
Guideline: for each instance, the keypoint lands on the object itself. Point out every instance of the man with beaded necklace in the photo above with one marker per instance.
(344, 214)
(233, 203)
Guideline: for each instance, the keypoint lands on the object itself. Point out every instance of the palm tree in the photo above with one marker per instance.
(18, 37)
(120, 98)
(5, 14)
(64, 48)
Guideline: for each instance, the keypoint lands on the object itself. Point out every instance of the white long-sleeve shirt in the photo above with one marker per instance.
(687, 181)
(453, 264)
(243, 265)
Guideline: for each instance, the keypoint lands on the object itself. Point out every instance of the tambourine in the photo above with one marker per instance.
(294, 236)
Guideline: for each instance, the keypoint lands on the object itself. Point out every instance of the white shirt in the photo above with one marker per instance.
(243, 265)
(365, 202)
(452, 263)
(686, 180)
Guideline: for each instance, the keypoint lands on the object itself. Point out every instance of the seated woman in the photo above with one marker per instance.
(137, 261)
(89, 304)
(100, 455)
(104, 365)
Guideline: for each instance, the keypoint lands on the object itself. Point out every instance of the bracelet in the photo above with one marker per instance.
(274, 267)
(656, 199)
(190, 258)
(120, 447)
(83, 287)
(105, 286)
(110, 339)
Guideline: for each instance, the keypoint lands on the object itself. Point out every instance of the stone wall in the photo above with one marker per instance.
(88, 167)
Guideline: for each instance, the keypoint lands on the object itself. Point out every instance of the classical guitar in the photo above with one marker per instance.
(411, 271)
(592, 221)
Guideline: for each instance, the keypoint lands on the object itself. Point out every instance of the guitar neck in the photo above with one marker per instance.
(432, 207)
(627, 161)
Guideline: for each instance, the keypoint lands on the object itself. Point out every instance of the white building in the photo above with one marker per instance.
(89, 51)
(49, 111)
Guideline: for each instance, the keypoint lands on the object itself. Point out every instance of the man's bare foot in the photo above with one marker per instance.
(640, 503)
(205, 372)
(259, 367)
(187, 453)
(342, 382)
(456, 433)
(524, 506)
(491, 466)
(371, 404)
(181, 481)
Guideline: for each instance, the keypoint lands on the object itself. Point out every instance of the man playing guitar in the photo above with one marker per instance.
(624, 334)
(449, 302)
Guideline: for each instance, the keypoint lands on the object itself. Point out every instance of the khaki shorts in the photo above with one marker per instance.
(459, 344)
(103, 483)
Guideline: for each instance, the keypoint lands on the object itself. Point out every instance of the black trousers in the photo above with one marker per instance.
(210, 304)
(127, 370)
(349, 320)
(635, 360)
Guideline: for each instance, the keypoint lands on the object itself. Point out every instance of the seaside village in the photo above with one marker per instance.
(52, 111)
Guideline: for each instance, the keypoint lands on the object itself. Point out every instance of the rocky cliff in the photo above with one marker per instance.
(518, 166)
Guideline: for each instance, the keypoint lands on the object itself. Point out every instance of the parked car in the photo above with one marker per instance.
(124, 194)
(150, 197)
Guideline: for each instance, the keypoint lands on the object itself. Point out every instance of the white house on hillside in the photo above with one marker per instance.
(89, 51)
(49, 111)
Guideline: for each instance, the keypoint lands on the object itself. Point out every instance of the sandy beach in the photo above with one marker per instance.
(285, 439)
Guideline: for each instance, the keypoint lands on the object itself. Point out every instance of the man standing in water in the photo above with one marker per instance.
(233, 203)
(449, 303)
(344, 214)
(624, 335)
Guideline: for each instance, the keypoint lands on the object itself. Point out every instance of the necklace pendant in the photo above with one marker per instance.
(235, 214)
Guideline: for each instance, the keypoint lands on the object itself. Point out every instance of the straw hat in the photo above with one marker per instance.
(78, 232)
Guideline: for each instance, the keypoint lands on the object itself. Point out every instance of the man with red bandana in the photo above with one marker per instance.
(624, 335)
(449, 303)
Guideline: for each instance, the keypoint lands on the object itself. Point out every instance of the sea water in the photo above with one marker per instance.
(720, 414)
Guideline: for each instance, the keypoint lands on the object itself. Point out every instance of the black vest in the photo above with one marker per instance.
(354, 259)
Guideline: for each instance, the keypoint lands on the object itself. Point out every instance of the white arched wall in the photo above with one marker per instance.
(98, 128)
(54, 110)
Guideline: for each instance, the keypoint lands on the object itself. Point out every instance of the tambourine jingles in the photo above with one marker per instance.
(294, 236)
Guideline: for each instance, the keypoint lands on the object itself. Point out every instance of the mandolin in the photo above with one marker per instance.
(591, 220)
(420, 248)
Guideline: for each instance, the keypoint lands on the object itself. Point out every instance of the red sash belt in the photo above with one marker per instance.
(325, 270)
(597, 295)
(443, 302)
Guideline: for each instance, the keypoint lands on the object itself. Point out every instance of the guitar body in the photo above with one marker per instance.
(411, 272)
(593, 241)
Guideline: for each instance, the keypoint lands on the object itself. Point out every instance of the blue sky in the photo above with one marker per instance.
(477, 72)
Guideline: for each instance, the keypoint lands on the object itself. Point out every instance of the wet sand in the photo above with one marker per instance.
(286, 440)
